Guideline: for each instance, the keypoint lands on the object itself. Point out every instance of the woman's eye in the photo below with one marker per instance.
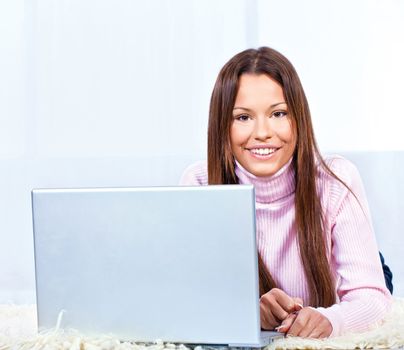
(279, 114)
(243, 117)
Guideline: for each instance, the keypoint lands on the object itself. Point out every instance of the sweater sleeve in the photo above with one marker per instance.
(363, 296)
(195, 175)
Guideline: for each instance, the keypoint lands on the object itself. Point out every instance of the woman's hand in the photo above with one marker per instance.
(307, 323)
(275, 306)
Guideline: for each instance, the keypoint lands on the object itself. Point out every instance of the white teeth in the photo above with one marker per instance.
(263, 151)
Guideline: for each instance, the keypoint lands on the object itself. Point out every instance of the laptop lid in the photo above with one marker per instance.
(171, 263)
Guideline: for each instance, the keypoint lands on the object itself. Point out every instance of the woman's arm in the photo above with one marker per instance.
(364, 298)
(195, 175)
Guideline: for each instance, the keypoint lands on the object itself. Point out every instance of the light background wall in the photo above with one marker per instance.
(116, 93)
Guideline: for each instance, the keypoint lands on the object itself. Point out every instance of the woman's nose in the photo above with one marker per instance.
(263, 129)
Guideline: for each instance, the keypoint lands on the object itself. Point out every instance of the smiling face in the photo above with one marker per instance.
(262, 136)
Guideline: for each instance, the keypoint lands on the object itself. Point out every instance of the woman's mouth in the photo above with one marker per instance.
(262, 152)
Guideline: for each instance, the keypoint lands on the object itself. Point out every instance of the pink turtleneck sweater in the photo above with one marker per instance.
(363, 298)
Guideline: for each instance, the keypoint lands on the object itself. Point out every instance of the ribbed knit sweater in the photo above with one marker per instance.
(363, 298)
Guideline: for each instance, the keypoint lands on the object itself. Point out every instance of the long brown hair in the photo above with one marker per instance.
(309, 216)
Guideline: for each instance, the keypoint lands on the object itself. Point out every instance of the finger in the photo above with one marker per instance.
(263, 318)
(319, 333)
(278, 312)
(315, 333)
(286, 324)
(308, 328)
(325, 329)
(274, 310)
(286, 302)
(298, 303)
(312, 322)
(323, 335)
(299, 323)
(320, 325)
(279, 303)
(268, 321)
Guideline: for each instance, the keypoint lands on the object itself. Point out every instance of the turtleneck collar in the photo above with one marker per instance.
(272, 188)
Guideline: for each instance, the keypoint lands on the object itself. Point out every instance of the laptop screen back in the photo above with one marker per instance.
(171, 263)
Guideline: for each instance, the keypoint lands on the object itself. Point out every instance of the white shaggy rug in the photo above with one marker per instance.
(18, 332)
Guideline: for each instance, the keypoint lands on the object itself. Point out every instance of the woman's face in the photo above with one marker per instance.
(262, 137)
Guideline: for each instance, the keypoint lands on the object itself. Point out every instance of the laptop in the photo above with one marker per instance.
(177, 264)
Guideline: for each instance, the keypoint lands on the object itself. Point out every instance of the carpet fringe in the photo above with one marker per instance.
(18, 332)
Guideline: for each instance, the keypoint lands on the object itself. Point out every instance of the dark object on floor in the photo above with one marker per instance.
(388, 275)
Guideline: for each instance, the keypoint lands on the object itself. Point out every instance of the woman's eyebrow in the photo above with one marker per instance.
(277, 104)
(243, 108)
(271, 106)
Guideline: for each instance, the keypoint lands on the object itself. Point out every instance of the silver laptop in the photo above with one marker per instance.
(172, 263)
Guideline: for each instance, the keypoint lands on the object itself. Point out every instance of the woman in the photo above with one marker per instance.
(320, 273)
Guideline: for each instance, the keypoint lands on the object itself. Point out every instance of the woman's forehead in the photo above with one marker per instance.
(258, 89)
